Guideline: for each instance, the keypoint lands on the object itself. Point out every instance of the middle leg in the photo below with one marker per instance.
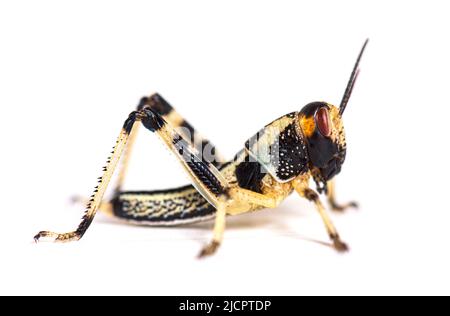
(225, 206)
(301, 186)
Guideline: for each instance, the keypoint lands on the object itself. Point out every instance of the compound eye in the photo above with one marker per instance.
(323, 121)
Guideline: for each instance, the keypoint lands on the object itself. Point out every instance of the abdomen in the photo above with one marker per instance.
(163, 208)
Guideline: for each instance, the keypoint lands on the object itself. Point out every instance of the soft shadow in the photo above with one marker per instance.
(244, 221)
(276, 219)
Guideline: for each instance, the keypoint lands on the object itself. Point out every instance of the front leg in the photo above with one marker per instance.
(225, 206)
(303, 190)
(331, 196)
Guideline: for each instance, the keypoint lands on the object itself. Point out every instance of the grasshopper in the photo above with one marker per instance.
(280, 159)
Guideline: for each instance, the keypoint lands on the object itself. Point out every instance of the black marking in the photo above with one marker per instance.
(176, 140)
(142, 103)
(159, 104)
(324, 154)
(84, 225)
(311, 195)
(152, 120)
(200, 167)
(310, 109)
(128, 125)
(286, 157)
(292, 153)
(249, 175)
(201, 170)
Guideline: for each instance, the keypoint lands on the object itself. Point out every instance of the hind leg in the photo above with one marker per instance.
(99, 190)
(205, 177)
(159, 105)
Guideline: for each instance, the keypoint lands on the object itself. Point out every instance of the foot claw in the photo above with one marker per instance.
(57, 237)
(340, 246)
(40, 235)
(209, 249)
(36, 238)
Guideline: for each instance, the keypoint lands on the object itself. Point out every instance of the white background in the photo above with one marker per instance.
(70, 72)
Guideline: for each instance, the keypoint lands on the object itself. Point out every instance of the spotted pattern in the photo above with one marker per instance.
(280, 148)
(289, 153)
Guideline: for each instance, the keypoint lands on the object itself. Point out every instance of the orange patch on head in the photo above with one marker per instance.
(308, 125)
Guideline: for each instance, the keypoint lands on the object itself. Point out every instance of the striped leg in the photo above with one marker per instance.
(123, 165)
(205, 177)
(160, 106)
(127, 153)
(96, 198)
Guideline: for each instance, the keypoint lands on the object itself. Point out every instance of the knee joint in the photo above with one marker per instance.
(311, 195)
